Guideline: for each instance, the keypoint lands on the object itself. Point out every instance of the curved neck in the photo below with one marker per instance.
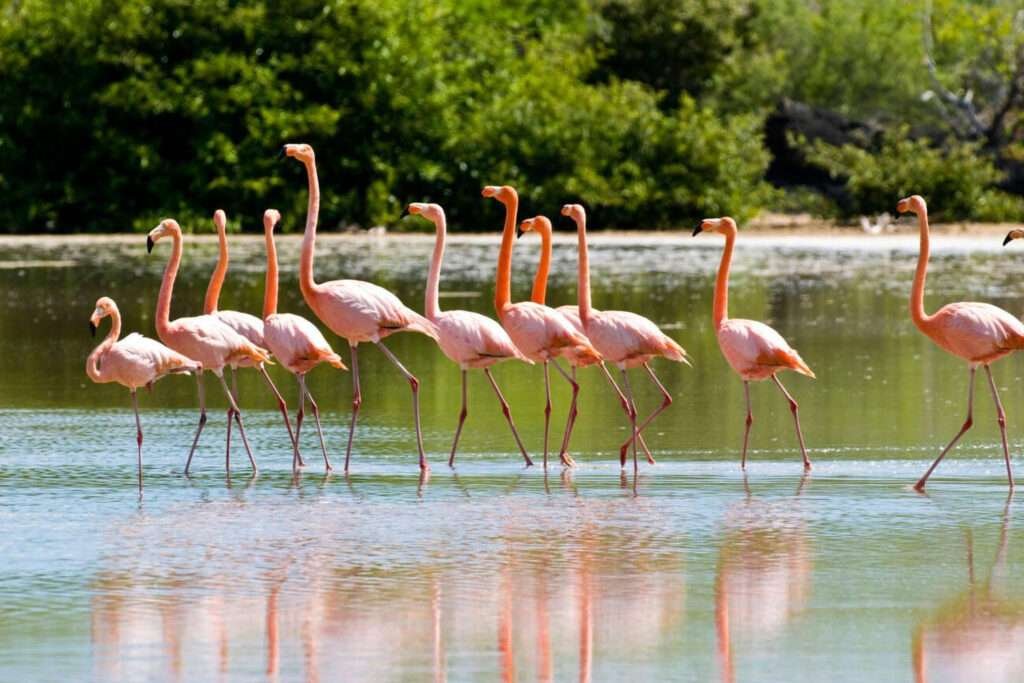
(503, 288)
(306, 283)
(721, 308)
(917, 313)
(163, 302)
(540, 280)
(270, 286)
(431, 306)
(219, 272)
(583, 272)
(92, 363)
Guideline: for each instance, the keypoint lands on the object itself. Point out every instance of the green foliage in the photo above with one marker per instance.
(957, 181)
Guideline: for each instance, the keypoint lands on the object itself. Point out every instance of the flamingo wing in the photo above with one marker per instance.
(249, 326)
(137, 360)
(977, 331)
(622, 336)
(298, 343)
(363, 311)
(474, 340)
(756, 351)
(541, 332)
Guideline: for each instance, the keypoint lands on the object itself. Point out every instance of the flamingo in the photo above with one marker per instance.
(979, 333)
(203, 338)
(540, 333)
(249, 326)
(469, 339)
(754, 350)
(571, 312)
(132, 362)
(356, 310)
(626, 339)
(295, 342)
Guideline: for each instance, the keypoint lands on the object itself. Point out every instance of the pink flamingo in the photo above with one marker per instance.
(571, 312)
(979, 333)
(133, 362)
(203, 338)
(469, 339)
(626, 339)
(754, 350)
(358, 311)
(249, 326)
(540, 333)
(295, 342)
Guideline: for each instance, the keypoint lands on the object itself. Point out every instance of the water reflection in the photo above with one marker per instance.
(978, 636)
(764, 571)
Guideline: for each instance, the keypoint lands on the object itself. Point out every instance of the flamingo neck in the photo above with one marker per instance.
(306, 282)
(431, 305)
(720, 311)
(219, 272)
(163, 302)
(503, 288)
(917, 314)
(583, 272)
(540, 280)
(92, 363)
(270, 286)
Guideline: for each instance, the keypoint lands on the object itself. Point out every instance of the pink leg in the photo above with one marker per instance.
(138, 434)
(794, 407)
(299, 416)
(316, 419)
(625, 409)
(749, 421)
(547, 411)
(231, 415)
(462, 419)
(415, 385)
(666, 401)
(508, 416)
(238, 419)
(202, 419)
(283, 407)
(632, 415)
(357, 400)
(919, 486)
(563, 455)
(1001, 415)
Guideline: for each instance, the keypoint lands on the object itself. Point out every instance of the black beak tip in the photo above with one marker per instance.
(519, 232)
(149, 244)
(92, 329)
(1007, 240)
(280, 153)
(697, 231)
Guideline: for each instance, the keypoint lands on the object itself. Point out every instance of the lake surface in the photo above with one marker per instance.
(688, 572)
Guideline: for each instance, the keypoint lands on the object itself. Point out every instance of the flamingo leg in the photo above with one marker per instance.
(1001, 416)
(632, 415)
(547, 411)
(794, 407)
(316, 419)
(202, 419)
(508, 416)
(462, 419)
(415, 385)
(563, 454)
(138, 434)
(357, 400)
(666, 401)
(919, 486)
(625, 408)
(749, 422)
(238, 419)
(283, 407)
(231, 415)
(299, 414)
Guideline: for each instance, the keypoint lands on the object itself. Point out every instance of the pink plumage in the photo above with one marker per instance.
(630, 340)
(977, 332)
(541, 333)
(756, 351)
(364, 312)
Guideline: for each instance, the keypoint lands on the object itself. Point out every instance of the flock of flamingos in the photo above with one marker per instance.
(529, 331)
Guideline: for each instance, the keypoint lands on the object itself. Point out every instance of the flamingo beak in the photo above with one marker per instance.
(698, 230)
(92, 328)
(519, 231)
(149, 244)
(280, 153)
(1009, 238)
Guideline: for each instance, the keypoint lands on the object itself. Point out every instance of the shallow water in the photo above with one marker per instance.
(688, 572)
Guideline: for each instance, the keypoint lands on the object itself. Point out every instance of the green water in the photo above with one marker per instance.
(490, 570)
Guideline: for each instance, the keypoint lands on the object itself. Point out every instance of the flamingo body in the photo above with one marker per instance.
(364, 312)
(297, 343)
(208, 340)
(976, 332)
(474, 341)
(245, 324)
(137, 361)
(630, 340)
(576, 358)
(756, 351)
(541, 333)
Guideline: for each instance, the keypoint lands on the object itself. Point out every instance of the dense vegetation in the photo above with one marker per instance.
(114, 113)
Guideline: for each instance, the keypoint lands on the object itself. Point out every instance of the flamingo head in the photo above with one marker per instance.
(270, 219)
(432, 212)
(539, 224)
(302, 152)
(104, 306)
(576, 212)
(913, 204)
(503, 193)
(168, 226)
(1013, 235)
(723, 225)
(220, 221)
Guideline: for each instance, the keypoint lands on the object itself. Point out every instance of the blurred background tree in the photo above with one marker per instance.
(113, 114)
